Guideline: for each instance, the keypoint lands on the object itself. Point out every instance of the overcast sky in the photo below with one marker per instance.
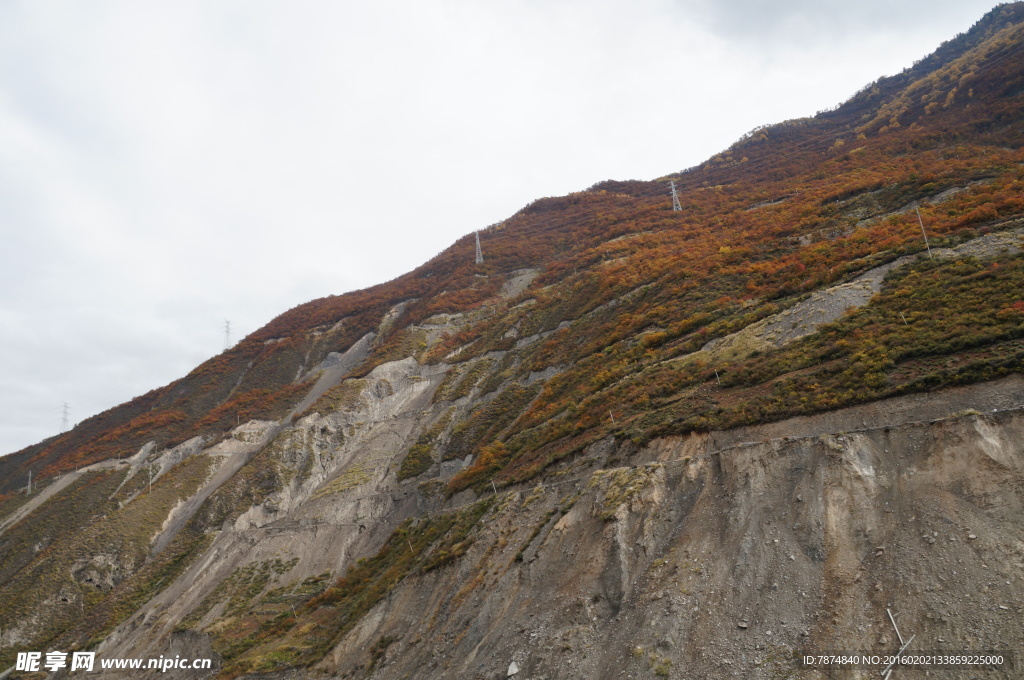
(165, 166)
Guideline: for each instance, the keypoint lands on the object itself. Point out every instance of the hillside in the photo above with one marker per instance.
(634, 440)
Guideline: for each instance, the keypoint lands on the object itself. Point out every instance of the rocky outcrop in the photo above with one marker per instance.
(720, 562)
(709, 555)
(562, 462)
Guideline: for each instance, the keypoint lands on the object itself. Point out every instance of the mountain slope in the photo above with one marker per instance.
(634, 440)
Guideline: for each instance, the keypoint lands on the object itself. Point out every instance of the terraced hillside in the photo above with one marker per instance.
(635, 442)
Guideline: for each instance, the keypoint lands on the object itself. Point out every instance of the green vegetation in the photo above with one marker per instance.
(486, 421)
(268, 472)
(88, 547)
(660, 665)
(408, 342)
(420, 458)
(354, 475)
(509, 367)
(451, 378)
(10, 502)
(341, 397)
(482, 432)
(628, 293)
(259, 403)
(239, 589)
(539, 527)
(895, 345)
(460, 381)
(415, 547)
(953, 308)
(620, 486)
(377, 652)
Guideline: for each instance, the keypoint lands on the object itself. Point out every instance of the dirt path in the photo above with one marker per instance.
(53, 489)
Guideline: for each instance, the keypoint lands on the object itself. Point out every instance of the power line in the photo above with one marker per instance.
(923, 232)
(813, 144)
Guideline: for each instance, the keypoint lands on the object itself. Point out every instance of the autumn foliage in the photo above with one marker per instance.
(627, 289)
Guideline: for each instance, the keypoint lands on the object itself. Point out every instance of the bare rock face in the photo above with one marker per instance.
(312, 546)
(716, 562)
(333, 542)
(691, 556)
(102, 572)
(578, 459)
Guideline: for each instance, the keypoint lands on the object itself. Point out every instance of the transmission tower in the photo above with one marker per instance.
(64, 419)
(227, 334)
(479, 252)
(675, 198)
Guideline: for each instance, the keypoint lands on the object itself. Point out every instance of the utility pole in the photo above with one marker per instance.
(675, 198)
(64, 419)
(923, 233)
(227, 334)
(479, 252)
